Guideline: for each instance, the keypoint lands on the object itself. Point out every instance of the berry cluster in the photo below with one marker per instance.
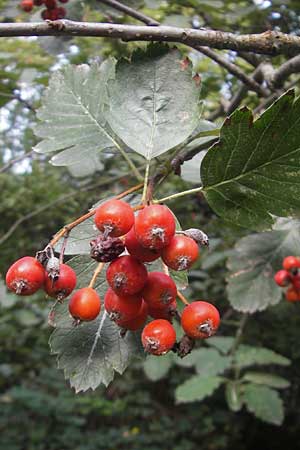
(289, 277)
(128, 241)
(52, 11)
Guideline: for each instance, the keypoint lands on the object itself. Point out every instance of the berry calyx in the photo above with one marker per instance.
(126, 275)
(141, 253)
(137, 322)
(26, 5)
(181, 253)
(114, 217)
(25, 276)
(291, 262)
(282, 278)
(154, 226)
(158, 337)
(159, 290)
(85, 304)
(63, 285)
(122, 309)
(200, 320)
(292, 295)
(106, 248)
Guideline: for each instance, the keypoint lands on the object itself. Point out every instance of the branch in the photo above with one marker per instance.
(130, 12)
(234, 70)
(16, 160)
(274, 96)
(285, 70)
(268, 43)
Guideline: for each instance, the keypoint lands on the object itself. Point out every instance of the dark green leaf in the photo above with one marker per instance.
(156, 368)
(197, 388)
(246, 356)
(267, 379)
(233, 396)
(264, 403)
(210, 362)
(222, 343)
(252, 173)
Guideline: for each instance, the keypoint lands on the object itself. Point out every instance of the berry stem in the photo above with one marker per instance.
(67, 228)
(96, 273)
(179, 194)
(146, 179)
(182, 298)
(130, 163)
(63, 248)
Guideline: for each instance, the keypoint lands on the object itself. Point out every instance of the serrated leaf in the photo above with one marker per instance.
(156, 368)
(197, 388)
(267, 379)
(252, 265)
(90, 353)
(233, 396)
(7, 299)
(222, 343)
(210, 362)
(147, 111)
(264, 403)
(75, 125)
(246, 356)
(252, 173)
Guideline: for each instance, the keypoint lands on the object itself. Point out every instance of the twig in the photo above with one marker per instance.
(16, 160)
(96, 273)
(269, 100)
(267, 43)
(285, 70)
(19, 99)
(182, 298)
(130, 12)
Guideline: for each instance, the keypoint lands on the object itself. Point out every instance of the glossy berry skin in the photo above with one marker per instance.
(167, 313)
(85, 304)
(154, 226)
(200, 320)
(137, 322)
(181, 253)
(295, 279)
(25, 276)
(292, 295)
(282, 278)
(121, 309)
(114, 217)
(159, 290)
(135, 249)
(158, 337)
(126, 275)
(26, 5)
(290, 263)
(64, 285)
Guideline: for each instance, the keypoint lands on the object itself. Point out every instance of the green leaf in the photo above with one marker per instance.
(75, 125)
(156, 368)
(264, 403)
(222, 343)
(7, 298)
(197, 388)
(267, 379)
(147, 110)
(252, 266)
(90, 353)
(233, 396)
(246, 356)
(210, 362)
(252, 173)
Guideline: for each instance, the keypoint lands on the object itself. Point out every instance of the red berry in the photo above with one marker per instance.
(282, 278)
(181, 253)
(46, 14)
(126, 275)
(167, 313)
(292, 295)
(200, 320)
(137, 250)
(291, 262)
(26, 5)
(122, 308)
(60, 13)
(25, 276)
(159, 290)
(50, 4)
(295, 281)
(63, 1)
(114, 217)
(85, 304)
(154, 226)
(38, 2)
(138, 321)
(64, 285)
(158, 337)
